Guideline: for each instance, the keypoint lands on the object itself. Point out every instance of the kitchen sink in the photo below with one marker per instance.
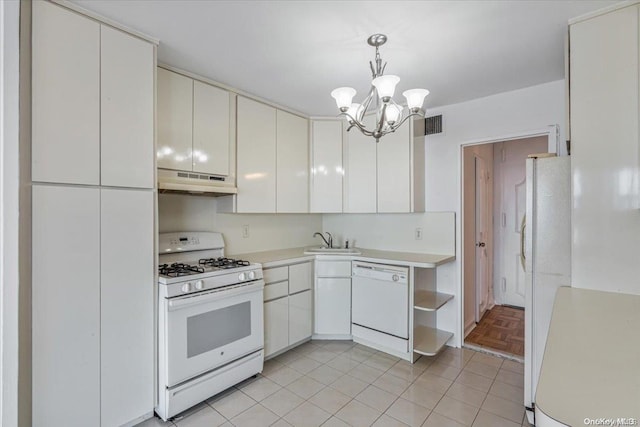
(321, 250)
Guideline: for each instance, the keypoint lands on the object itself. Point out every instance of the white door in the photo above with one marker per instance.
(276, 325)
(175, 120)
(326, 171)
(211, 128)
(511, 204)
(293, 163)
(482, 237)
(333, 306)
(300, 316)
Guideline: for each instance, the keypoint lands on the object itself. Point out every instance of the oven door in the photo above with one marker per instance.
(210, 329)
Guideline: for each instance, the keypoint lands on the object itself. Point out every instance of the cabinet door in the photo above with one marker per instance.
(300, 310)
(292, 163)
(127, 309)
(394, 171)
(256, 157)
(300, 277)
(65, 96)
(210, 129)
(327, 171)
(175, 120)
(127, 68)
(333, 306)
(66, 306)
(360, 169)
(276, 325)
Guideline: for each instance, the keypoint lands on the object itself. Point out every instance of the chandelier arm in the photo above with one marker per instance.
(382, 116)
(353, 122)
(404, 120)
(367, 101)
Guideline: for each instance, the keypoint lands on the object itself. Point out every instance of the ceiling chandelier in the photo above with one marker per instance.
(389, 115)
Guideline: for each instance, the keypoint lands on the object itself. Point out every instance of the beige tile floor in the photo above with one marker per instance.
(339, 383)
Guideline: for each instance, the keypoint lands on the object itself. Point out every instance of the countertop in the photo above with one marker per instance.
(286, 256)
(591, 363)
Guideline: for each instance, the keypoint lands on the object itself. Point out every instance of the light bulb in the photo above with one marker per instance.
(386, 86)
(415, 98)
(392, 113)
(343, 97)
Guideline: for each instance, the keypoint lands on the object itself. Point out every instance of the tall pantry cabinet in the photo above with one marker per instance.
(93, 179)
(605, 149)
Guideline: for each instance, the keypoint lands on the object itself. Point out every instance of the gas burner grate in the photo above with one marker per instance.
(178, 269)
(223, 263)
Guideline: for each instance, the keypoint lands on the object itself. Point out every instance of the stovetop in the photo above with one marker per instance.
(205, 265)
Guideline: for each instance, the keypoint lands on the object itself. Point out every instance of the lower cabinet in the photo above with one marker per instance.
(288, 306)
(300, 309)
(276, 325)
(333, 306)
(92, 324)
(333, 298)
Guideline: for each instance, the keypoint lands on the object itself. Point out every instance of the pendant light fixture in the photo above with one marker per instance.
(389, 115)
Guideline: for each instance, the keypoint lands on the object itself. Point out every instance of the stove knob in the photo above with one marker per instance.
(252, 275)
(199, 285)
(186, 288)
(242, 277)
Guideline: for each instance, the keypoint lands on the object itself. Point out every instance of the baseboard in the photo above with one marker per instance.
(469, 326)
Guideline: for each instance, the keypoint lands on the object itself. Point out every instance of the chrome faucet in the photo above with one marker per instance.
(329, 242)
(330, 239)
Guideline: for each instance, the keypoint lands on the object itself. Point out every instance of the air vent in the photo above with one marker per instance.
(198, 176)
(433, 125)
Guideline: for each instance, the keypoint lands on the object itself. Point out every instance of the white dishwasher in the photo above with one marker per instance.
(380, 304)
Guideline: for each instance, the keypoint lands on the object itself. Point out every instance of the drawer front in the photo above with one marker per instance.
(272, 275)
(276, 290)
(300, 277)
(333, 268)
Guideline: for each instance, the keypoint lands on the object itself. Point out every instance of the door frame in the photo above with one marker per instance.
(478, 270)
(552, 132)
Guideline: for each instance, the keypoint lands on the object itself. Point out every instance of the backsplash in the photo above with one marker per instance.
(179, 212)
(395, 232)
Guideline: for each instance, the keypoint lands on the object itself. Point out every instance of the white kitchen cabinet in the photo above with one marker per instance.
(327, 171)
(292, 163)
(387, 177)
(300, 277)
(288, 306)
(276, 325)
(65, 115)
(333, 306)
(360, 170)
(256, 160)
(66, 306)
(394, 171)
(605, 150)
(127, 87)
(211, 128)
(300, 316)
(175, 120)
(127, 260)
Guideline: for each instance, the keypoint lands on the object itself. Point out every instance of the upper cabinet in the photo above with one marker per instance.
(94, 126)
(194, 125)
(272, 161)
(126, 108)
(65, 115)
(292, 152)
(327, 170)
(256, 157)
(388, 176)
(360, 165)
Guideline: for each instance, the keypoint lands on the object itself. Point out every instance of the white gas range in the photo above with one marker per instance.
(210, 320)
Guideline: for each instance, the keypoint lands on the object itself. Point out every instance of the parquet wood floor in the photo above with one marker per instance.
(502, 329)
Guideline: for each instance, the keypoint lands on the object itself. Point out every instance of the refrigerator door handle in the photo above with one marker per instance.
(523, 227)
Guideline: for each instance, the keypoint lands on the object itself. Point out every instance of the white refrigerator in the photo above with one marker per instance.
(546, 250)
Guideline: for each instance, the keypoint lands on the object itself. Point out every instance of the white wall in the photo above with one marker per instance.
(9, 209)
(485, 119)
(266, 231)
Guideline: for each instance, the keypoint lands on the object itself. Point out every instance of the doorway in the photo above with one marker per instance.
(494, 200)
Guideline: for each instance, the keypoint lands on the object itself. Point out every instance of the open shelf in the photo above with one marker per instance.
(429, 341)
(430, 301)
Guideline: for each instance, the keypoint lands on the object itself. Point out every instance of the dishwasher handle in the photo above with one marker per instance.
(381, 272)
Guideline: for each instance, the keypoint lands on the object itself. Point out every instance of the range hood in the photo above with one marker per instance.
(174, 181)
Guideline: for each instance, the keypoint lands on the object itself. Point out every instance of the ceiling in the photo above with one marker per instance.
(294, 53)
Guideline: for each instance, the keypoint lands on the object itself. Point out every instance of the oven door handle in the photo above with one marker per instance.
(214, 295)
